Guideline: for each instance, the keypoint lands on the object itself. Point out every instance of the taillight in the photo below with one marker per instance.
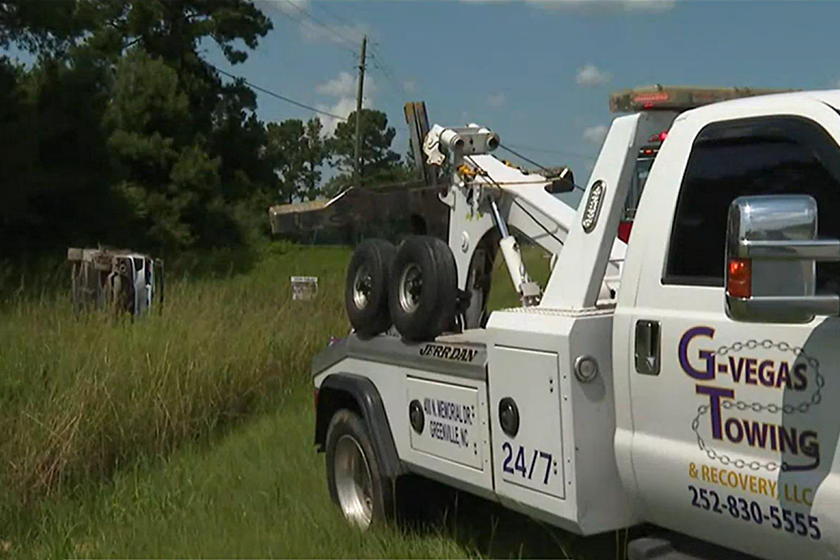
(739, 278)
(624, 228)
(659, 136)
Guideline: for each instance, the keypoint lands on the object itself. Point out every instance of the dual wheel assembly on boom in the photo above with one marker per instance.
(413, 287)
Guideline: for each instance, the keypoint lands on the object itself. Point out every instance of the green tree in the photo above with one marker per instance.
(285, 146)
(297, 152)
(138, 136)
(148, 120)
(315, 152)
(55, 172)
(240, 139)
(336, 184)
(171, 30)
(377, 161)
(41, 27)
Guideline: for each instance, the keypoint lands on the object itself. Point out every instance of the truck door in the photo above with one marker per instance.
(734, 425)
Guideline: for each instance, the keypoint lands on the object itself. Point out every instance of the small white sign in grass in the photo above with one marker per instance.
(304, 287)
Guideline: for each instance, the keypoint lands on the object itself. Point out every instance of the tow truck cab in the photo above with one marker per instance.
(674, 100)
(701, 397)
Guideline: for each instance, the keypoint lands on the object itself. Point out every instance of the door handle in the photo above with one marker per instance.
(647, 347)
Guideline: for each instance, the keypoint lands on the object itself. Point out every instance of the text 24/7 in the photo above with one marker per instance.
(739, 508)
(519, 463)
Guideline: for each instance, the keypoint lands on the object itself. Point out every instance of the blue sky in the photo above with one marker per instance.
(537, 72)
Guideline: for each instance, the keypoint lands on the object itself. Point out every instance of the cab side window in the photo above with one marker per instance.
(767, 155)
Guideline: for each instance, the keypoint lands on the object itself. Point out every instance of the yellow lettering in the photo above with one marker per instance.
(808, 496)
(692, 470)
(750, 483)
(732, 479)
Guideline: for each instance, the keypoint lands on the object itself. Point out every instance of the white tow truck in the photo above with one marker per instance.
(689, 379)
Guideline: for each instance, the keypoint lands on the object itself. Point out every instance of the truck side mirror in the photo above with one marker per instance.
(771, 255)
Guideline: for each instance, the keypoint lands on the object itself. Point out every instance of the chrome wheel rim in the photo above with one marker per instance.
(362, 287)
(410, 288)
(353, 481)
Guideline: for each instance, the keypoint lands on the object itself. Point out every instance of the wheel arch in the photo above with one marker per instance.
(359, 394)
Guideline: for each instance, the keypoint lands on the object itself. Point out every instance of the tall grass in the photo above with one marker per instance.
(260, 492)
(134, 404)
(82, 396)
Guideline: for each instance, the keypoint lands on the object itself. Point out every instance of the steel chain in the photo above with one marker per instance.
(802, 408)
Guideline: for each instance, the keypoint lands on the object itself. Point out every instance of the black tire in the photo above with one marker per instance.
(423, 289)
(447, 286)
(348, 429)
(366, 287)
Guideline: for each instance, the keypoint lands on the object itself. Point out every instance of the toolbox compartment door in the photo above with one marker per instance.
(528, 462)
(445, 421)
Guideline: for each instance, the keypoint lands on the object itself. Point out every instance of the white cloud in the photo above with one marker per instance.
(410, 86)
(316, 31)
(495, 100)
(336, 33)
(594, 5)
(595, 134)
(654, 5)
(342, 107)
(342, 85)
(590, 76)
(606, 5)
(292, 7)
(343, 89)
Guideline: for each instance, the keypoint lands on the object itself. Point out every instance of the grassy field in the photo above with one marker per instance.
(190, 434)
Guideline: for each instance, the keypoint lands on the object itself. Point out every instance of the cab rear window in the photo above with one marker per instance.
(771, 155)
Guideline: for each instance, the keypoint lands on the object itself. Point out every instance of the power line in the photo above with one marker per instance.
(532, 162)
(375, 57)
(397, 87)
(495, 183)
(303, 10)
(517, 154)
(308, 14)
(276, 95)
(387, 71)
(334, 15)
(377, 60)
(391, 91)
(551, 151)
(343, 43)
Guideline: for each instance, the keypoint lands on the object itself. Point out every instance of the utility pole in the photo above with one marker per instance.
(357, 159)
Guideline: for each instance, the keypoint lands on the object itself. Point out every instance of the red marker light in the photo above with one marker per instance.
(624, 229)
(650, 99)
(739, 278)
(660, 137)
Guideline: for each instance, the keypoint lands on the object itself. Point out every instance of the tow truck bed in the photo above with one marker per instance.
(459, 355)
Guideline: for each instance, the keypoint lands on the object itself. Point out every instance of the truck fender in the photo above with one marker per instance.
(357, 393)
